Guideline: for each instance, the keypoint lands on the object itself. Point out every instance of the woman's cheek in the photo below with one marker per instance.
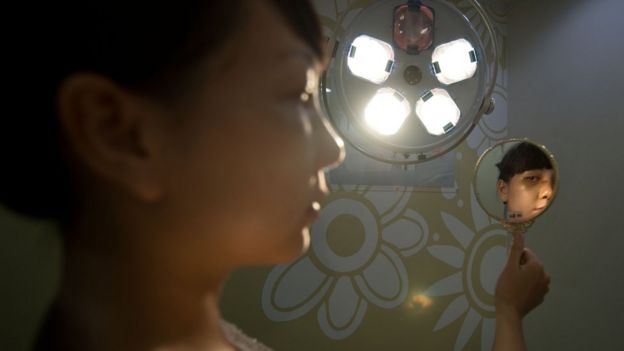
(294, 115)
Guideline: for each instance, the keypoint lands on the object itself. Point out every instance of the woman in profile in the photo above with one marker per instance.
(175, 143)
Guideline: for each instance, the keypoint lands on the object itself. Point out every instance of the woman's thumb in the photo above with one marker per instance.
(517, 248)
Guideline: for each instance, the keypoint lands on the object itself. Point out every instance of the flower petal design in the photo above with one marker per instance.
(454, 310)
(384, 200)
(475, 138)
(343, 311)
(488, 328)
(480, 218)
(384, 281)
(403, 234)
(450, 285)
(492, 264)
(398, 207)
(460, 231)
(290, 291)
(449, 193)
(408, 235)
(471, 322)
(448, 254)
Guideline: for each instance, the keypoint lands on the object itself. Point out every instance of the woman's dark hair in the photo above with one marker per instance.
(141, 45)
(521, 158)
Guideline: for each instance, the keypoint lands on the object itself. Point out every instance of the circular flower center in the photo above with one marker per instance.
(486, 260)
(345, 235)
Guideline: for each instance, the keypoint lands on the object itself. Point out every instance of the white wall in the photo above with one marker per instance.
(567, 91)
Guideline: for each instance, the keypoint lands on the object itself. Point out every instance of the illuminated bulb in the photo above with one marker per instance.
(437, 111)
(370, 59)
(386, 111)
(454, 61)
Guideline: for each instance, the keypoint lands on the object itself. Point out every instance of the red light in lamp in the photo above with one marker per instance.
(413, 27)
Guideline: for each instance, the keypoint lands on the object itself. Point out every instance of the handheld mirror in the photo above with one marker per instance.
(515, 181)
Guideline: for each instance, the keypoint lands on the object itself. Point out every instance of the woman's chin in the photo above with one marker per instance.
(303, 245)
(295, 248)
(305, 236)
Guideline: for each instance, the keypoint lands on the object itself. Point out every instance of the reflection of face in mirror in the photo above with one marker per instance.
(525, 182)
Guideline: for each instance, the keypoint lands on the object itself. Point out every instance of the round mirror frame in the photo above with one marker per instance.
(523, 226)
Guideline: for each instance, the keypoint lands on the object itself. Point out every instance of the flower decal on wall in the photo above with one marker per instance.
(354, 261)
(479, 258)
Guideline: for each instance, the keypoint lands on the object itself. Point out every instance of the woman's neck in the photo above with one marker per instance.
(133, 297)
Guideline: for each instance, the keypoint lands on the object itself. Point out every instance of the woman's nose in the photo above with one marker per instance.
(330, 146)
(546, 191)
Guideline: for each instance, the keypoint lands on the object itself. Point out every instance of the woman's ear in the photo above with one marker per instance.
(502, 189)
(111, 133)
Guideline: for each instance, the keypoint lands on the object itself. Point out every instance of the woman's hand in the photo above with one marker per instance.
(521, 287)
(523, 283)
